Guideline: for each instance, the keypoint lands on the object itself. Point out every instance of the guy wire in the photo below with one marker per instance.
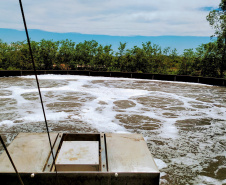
(4, 146)
(36, 77)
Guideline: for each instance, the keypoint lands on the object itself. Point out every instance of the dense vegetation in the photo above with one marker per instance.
(206, 60)
(150, 58)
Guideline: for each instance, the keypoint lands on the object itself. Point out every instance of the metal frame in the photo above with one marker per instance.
(101, 177)
(103, 167)
(87, 178)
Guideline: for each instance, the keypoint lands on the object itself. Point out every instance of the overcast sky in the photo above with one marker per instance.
(112, 17)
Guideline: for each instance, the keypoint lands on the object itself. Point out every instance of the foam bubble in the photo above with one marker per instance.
(208, 180)
(183, 123)
(7, 123)
(160, 164)
(49, 116)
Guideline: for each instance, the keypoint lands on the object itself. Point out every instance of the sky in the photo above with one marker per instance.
(123, 18)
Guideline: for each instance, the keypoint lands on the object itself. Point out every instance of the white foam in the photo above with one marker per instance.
(72, 77)
(185, 160)
(7, 123)
(160, 164)
(49, 116)
(76, 77)
(109, 94)
(208, 180)
(102, 116)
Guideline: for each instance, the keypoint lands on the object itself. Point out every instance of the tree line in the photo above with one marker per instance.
(150, 58)
(207, 60)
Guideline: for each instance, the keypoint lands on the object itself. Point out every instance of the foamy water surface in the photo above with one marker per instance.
(183, 123)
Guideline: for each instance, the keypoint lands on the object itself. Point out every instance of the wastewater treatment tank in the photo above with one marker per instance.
(79, 159)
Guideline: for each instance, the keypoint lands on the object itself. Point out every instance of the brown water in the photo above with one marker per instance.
(183, 123)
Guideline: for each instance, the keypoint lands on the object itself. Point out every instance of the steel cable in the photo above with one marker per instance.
(7, 152)
(36, 77)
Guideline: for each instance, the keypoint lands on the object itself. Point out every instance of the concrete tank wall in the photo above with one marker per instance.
(181, 78)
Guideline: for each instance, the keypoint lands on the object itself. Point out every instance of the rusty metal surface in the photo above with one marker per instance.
(49, 163)
(78, 156)
(103, 157)
(129, 153)
(29, 152)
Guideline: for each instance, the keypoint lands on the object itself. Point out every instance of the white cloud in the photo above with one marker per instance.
(111, 17)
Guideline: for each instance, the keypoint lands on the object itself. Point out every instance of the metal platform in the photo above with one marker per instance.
(80, 159)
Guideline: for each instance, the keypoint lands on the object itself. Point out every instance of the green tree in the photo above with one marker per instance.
(4, 49)
(187, 63)
(99, 59)
(121, 56)
(148, 50)
(47, 53)
(158, 66)
(174, 60)
(108, 56)
(140, 60)
(208, 59)
(85, 53)
(65, 54)
(36, 54)
(217, 20)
